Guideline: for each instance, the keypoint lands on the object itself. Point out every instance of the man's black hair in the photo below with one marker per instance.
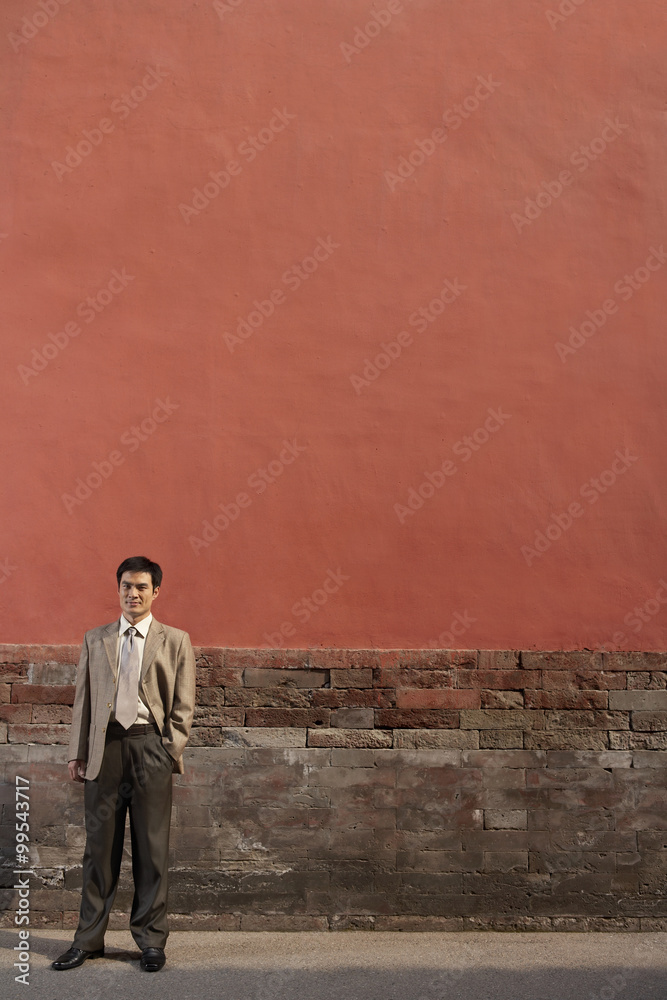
(140, 564)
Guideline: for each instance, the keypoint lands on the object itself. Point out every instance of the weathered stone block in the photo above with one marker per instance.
(649, 722)
(498, 659)
(286, 717)
(567, 739)
(436, 698)
(637, 741)
(500, 739)
(499, 719)
(52, 673)
(566, 699)
(561, 660)
(505, 861)
(446, 738)
(349, 738)
(50, 734)
(647, 701)
(247, 736)
(358, 677)
(352, 718)
(390, 718)
(265, 678)
(505, 819)
(501, 699)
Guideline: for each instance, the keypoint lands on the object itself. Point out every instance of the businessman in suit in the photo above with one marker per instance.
(133, 709)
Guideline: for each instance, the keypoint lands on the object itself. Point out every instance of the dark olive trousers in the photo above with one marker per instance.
(135, 776)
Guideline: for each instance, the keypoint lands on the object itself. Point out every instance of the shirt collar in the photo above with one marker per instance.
(142, 627)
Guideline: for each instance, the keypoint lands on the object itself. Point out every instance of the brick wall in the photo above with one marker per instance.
(386, 789)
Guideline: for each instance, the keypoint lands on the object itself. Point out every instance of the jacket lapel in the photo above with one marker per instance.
(110, 640)
(154, 640)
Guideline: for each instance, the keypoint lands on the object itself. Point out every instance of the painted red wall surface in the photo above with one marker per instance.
(499, 165)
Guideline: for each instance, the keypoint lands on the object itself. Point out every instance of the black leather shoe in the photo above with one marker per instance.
(75, 957)
(152, 959)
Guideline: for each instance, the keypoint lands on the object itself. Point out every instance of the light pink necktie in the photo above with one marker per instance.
(128, 680)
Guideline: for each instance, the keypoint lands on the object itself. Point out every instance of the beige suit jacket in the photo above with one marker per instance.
(167, 686)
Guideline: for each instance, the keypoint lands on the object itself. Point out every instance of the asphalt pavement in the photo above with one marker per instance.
(351, 965)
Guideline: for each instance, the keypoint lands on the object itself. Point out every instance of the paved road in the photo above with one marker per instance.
(355, 965)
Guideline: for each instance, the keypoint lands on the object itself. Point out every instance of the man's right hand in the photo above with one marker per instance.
(77, 769)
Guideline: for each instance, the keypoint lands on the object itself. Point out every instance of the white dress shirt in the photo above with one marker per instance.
(143, 712)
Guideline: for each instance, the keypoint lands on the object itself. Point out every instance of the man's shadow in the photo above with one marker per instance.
(51, 948)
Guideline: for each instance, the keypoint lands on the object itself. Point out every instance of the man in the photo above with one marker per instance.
(133, 708)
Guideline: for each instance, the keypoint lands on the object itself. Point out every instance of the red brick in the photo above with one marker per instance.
(561, 660)
(600, 720)
(272, 697)
(343, 659)
(287, 717)
(498, 659)
(501, 699)
(566, 699)
(413, 677)
(583, 679)
(392, 718)
(51, 713)
(215, 715)
(203, 675)
(515, 680)
(428, 659)
(634, 661)
(211, 696)
(43, 694)
(639, 680)
(209, 656)
(16, 713)
(263, 678)
(357, 677)
(436, 698)
(226, 676)
(282, 659)
(9, 653)
(353, 698)
(13, 671)
(39, 654)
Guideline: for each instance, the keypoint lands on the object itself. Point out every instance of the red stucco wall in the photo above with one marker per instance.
(498, 165)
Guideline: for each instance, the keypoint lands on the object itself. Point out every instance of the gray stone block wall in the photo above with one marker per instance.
(396, 790)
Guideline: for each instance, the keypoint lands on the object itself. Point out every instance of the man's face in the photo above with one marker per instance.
(136, 595)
